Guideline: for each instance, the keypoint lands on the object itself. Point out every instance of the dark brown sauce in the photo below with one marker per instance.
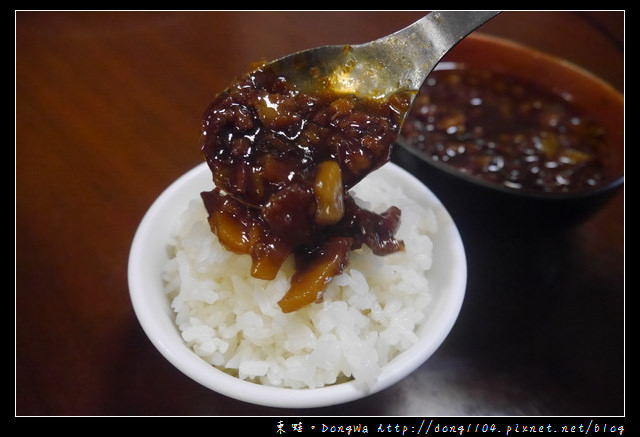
(568, 118)
(508, 131)
(283, 162)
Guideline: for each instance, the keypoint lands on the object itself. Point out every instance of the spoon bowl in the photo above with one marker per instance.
(377, 69)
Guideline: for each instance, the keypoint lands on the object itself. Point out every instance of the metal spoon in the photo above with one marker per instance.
(397, 62)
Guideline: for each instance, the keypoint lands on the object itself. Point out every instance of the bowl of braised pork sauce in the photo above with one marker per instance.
(513, 139)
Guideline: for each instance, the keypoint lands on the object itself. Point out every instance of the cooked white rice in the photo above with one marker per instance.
(369, 315)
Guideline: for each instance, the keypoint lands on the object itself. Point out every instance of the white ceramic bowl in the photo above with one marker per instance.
(448, 277)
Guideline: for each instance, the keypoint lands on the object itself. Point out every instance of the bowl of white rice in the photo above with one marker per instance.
(379, 320)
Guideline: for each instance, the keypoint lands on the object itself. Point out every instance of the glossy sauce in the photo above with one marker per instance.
(508, 131)
(282, 162)
(518, 118)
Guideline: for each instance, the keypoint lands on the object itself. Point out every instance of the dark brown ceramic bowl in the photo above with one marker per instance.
(479, 206)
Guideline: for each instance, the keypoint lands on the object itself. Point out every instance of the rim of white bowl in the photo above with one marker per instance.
(148, 255)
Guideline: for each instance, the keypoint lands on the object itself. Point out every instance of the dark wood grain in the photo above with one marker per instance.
(108, 108)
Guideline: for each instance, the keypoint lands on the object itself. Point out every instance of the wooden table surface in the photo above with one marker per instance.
(108, 110)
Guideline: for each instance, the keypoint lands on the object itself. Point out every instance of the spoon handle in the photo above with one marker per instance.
(410, 54)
